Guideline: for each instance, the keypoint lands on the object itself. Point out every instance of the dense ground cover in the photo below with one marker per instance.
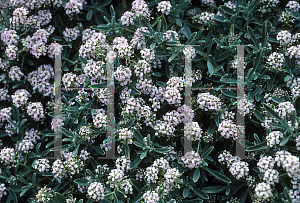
(150, 47)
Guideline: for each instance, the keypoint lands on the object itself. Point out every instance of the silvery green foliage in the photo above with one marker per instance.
(151, 41)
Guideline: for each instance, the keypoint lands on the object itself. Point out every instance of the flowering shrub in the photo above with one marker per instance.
(167, 149)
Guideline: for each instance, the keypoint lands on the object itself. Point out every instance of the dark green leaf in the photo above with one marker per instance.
(12, 195)
(161, 84)
(135, 162)
(127, 151)
(162, 150)
(138, 136)
(186, 192)
(196, 175)
(157, 74)
(260, 146)
(82, 182)
(58, 24)
(200, 193)
(218, 175)
(252, 36)
(207, 152)
(89, 15)
(97, 149)
(59, 197)
(297, 105)
(285, 140)
(210, 67)
(130, 123)
(229, 93)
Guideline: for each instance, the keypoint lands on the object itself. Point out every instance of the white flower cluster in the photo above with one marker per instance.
(140, 8)
(167, 35)
(280, 157)
(15, 73)
(266, 5)
(7, 155)
(172, 118)
(96, 191)
(293, 82)
(191, 159)
(100, 121)
(244, 106)
(86, 134)
(25, 146)
(192, 131)
(35, 110)
(9, 37)
(205, 18)
(238, 168)
(151, 197)
(125, 135)
(273, 138)
(44, 195)
(295, 92)
(123, 163)
(265, 163)
(138, 41)
(271, 176)
(32, 135)
(42, 165)
(297, 140)
(294, 51)
(286, 18)
(263, 191)
(208, 2)
(285, 108)
(293, 5)
(2, 190)
(208, 102)
(20, 97)
(275, 62)
(93, 45)
(284, 37)
(127, 18)
(142, 68)
(148, 55)
(95, 70)
(189, 51)
(164, 7)
(164, 129)
(124, 50)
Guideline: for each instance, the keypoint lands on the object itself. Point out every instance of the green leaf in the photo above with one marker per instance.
(97, 149)
(157, 74)
(214, 189)
(207, 152)
(162, 150)
(218, 175)
(138, 136)
(144, 154)
(196, 175)
(135, 162)
(286, 194)
(174, 55)
(258, 147)
(211, 128)
(82, 182)
(58, 24)
(161, 84)
(15, 113)
(227, 10)
(233, 190)
(12, 195)
(297, 105)
(264, 34)
(6, 18)
(191, 38)
(258, 115)
(66, 132)
(186, 192)
(276, 99)
(47, 174)
(252, 6)
(272, 113)
(22, 179)
(127, 151)
(89, 15)
(285, 140)
(210, 67)
(229, 93)
(130, 123)
(59, 197)
(252, 36)
(98, 85)
(134, 90)
(200, 193)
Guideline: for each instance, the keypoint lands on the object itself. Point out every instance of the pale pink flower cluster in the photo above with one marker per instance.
(127, 18)
(208, 102)
(74, 6)
(151, 197)
(32, 135)
(7, 155)
(192, 131)
(42, 165)
(148, 55)
(35, 110)
(93, 46)
(4, 96)
(2, 190)
(52, 49)
(167, 35)
(164, 7)
(86, 134)
(140, 8)
(87, 33)
(15, 73)
(71, 34)
(100, 121)
(274, 138)
(126, 135)
(25, 146)
(96, 191)
(192, 159)
(11, 52)
(20, 97)
(9, 37)
(123, 74)
(139, 41)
